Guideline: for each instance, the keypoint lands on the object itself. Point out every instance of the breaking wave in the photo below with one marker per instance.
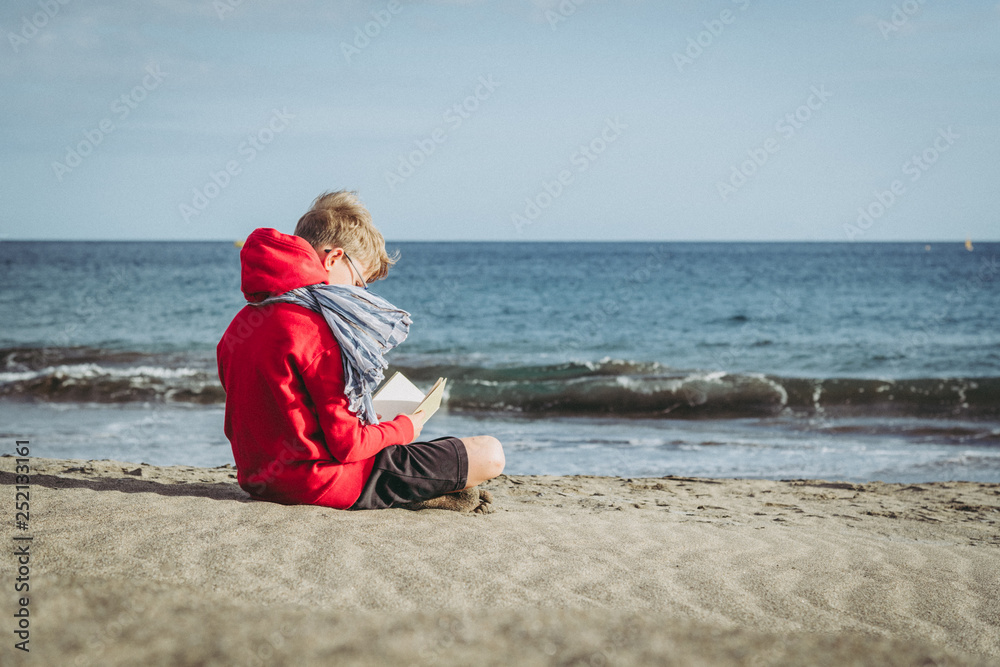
(606, 387)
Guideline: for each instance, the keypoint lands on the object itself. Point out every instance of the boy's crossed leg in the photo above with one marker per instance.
(440, 474)
(486, 461)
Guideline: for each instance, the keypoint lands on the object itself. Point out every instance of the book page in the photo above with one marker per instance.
(400, 396)
(396, 396)
(432, 401)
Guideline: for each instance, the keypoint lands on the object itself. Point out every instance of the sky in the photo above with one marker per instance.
(511, 120)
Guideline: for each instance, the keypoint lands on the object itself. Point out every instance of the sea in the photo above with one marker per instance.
(837, 361)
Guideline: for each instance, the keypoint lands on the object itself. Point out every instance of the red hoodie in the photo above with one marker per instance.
(293, 438)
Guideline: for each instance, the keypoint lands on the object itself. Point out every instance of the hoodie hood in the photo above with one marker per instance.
(273, 263)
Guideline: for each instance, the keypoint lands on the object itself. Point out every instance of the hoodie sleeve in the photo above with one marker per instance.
(346, 437)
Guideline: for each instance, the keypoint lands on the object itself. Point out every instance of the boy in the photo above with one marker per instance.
(297, 437)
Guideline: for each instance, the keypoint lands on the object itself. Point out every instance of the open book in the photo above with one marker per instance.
(398, 395)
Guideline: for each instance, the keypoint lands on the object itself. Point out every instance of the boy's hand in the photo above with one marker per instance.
(418, 418)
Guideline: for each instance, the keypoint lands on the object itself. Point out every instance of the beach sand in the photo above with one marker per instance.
(138, 564)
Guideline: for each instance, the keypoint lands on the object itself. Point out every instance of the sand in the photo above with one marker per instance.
(175, 565)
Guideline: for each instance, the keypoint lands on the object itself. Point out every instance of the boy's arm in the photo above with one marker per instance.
(346, 437)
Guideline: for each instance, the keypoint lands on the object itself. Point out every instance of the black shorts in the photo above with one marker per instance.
(414, 472)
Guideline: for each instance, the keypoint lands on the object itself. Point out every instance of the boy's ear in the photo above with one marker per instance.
(328, 255)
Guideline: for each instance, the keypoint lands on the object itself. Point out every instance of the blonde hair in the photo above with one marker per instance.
(340, 219)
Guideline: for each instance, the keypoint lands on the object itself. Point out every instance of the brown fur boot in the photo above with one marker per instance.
(467, 500)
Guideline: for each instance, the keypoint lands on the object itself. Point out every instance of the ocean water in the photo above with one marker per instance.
(852, 361)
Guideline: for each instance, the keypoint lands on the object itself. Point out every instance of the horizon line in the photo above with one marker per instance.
(237, 240)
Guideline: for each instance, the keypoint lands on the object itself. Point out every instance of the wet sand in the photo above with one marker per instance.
(176, 565)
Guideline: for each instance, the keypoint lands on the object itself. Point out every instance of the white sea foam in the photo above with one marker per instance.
(90, 371)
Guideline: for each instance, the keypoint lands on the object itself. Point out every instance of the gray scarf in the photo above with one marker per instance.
(365, 325)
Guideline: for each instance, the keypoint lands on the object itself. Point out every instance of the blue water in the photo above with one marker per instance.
(778, 360)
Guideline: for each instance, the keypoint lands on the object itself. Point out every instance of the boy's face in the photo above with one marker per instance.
(339, 267)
